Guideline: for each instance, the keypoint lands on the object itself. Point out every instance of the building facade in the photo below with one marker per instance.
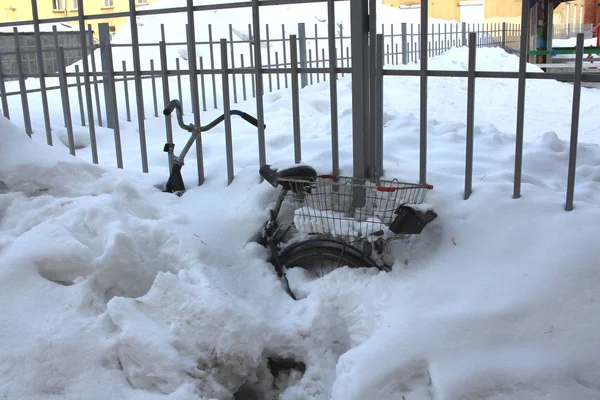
(20, 10)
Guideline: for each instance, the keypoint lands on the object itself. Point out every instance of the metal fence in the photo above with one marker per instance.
(302, 59)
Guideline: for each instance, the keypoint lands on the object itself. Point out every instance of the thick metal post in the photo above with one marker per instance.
(360, 86)
(335, 153)
(64, 91)
(404, 45)
(521, 99)
(166, 95)
(126, 90)
(575, 122)
(423, 117)
(504, 35)
(86, 81)
(464, 34)
(111, 94)
(259, 84)
(378, 115)
(295, 99)
(22, 86)
(104, 34)
(40, 63)
(227, 111)
(139, 90)
(79, 95)
(302, 47)
(95, 78)
(192, 58)
(470, 116)
(5, 109)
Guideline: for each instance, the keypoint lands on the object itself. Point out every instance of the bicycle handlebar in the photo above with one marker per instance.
(176, 104)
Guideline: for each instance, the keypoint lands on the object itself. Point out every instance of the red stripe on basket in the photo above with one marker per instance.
(386, 189)
(429, 187)
(328, 176)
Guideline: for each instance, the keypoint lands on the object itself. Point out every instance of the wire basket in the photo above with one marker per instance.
(353, 209)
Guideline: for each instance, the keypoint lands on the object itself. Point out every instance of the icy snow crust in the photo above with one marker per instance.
(112, 289)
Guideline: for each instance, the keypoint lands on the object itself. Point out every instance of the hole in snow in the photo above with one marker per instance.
(283, 373)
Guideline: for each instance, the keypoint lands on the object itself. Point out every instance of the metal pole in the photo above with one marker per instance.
(243, 77)
(22, 86)
(212, 65)
(371, 131)
(179, 89)
(404, 43)
(268, 40)
(40, 63)
(251, 42)
(5, 109)
(423, 75)
(139, 90)
(104, 33)
(79, 95)
(259, 84)
(111, 94)
(227, 112)
(202, 84)
(153, 80)
(64, 89)
(285, 76)
(521, 99)
(295, 99)
(504, 35)
(191, 41)
(93, 58)
(575, 122)
(335, 148)
(126, 90)
(86, 81)
(166, 96)
(360, 86)
(302, 46)
(378, 115)
(232, 63)
(470, 116)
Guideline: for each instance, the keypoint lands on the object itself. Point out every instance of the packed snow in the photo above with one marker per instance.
(110, 288)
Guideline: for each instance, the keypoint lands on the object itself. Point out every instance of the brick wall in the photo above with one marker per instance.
(591, 14)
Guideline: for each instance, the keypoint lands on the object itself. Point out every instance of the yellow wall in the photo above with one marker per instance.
(20, 10)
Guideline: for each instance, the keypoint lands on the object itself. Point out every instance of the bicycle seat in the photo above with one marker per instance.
(277, 177)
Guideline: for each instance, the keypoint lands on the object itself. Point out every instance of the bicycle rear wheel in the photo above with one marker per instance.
(323, 255)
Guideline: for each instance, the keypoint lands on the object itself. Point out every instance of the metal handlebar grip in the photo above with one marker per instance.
(171, 106)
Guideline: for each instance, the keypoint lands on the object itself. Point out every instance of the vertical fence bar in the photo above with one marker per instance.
(342, 45)
(42, 74)
(371, 126)
(335, 153)
(394, 56)
(259, 84)
(202, 84)
(464, 34)
(302, 46)
(404, 43)
(166, 95)
(243, 77)
(295, 99)
(251, 43)
(153, 79)
(317, 49)
(191, 41)
(126, 90)
(268, 40)
(86, 80)
(285, 76)
(112, 105)
(310, 74)
(423, 106)
(359, 28)
(324, 59)
(64, 89)
(212, 65)
(22, 86)
(470, 116)
(79, 95)
(179, 90)
(277, 66)
(139, 90)
(104, 34)
(5, 109)
(378, 116)
(521, 100)
(233, 77)
(227, 111)
(95, 78)
(575, 122)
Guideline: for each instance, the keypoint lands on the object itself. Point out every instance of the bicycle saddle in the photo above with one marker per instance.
(277, 177)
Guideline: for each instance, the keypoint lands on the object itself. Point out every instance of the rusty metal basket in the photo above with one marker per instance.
(353, 209)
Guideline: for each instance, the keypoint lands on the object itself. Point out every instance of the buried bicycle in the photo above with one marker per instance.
(324, 222)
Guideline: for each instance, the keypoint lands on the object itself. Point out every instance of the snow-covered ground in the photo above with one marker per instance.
(110, 288)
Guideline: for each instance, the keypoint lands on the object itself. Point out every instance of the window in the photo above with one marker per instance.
(107, 4)
(74, 5)
(59, 5)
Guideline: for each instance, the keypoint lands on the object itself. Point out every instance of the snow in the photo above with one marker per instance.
(110, 288)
